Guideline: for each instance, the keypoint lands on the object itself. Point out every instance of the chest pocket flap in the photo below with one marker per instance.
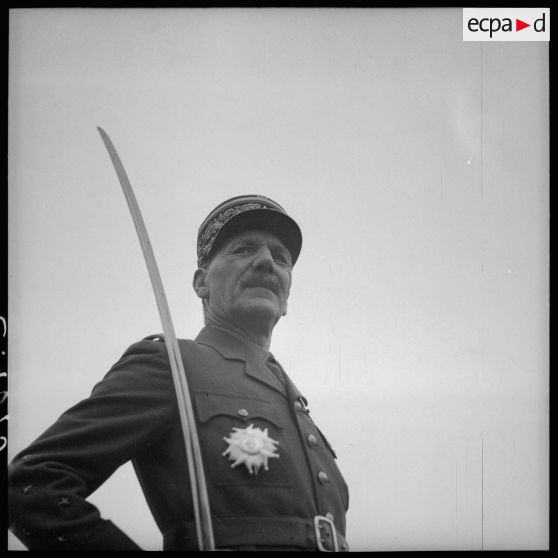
(210, 405)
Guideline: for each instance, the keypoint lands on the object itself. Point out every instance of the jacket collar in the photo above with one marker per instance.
(233, 347)
(227, 344)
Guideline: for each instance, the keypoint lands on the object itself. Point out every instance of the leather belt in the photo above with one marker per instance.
(318, 533)
(326, 534)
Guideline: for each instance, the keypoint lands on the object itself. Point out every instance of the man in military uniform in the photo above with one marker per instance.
(271, 475)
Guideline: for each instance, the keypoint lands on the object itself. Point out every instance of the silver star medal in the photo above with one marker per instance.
(251, 446)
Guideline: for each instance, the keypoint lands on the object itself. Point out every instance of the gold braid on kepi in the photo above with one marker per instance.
(244, 213)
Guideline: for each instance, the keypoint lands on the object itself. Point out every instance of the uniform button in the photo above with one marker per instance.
(312, 441)
(322, 477)
(26, 489)
(64, 501)
(298, 406)
(242, 412)
(330, 516)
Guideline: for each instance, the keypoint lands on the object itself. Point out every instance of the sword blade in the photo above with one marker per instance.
(202, 513)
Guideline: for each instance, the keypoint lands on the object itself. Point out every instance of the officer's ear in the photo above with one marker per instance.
(199, 283)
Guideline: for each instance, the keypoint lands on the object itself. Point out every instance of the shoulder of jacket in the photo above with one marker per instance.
(156, 343)
(155, 346)
(151, 345)
(156, 337)
(160, 338)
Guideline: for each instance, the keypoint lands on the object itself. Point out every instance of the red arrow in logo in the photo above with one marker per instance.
(519, 25)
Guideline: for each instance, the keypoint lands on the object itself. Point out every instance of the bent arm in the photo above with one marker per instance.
(49, 482)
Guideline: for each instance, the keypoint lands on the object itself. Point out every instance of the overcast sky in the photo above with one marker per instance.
(417, 167)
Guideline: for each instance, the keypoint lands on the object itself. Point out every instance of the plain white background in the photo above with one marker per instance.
(417, 167)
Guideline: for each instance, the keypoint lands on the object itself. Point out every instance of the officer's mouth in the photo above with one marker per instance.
(262, 284)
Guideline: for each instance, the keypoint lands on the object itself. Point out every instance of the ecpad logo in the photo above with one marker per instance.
(494, 24)
(506, 24)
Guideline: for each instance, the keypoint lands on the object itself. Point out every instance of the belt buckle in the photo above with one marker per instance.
(320, 523)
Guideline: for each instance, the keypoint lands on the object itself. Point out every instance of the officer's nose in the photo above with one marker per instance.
(263, 260)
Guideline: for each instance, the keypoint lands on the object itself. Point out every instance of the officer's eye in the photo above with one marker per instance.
(281, 257)
(240, 250)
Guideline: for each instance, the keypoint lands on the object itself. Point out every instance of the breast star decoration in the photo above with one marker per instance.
(251, 446)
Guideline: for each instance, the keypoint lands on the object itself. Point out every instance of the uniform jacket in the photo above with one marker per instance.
(132, 415)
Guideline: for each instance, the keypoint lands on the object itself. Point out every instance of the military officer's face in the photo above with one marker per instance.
(248, 280)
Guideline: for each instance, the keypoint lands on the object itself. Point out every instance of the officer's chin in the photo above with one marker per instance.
(260, 310)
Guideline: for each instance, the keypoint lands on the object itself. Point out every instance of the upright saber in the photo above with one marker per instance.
(204, 529)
